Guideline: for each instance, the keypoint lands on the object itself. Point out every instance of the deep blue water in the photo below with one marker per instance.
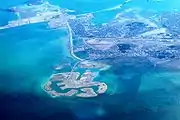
(138, 90)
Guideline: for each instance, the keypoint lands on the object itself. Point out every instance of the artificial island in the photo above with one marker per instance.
(75, 85)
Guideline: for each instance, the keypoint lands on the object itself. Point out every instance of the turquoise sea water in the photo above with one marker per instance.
(138, 90)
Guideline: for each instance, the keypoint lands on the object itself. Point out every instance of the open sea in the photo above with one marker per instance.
(137, 89)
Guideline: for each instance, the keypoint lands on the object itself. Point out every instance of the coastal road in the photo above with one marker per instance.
(71, 43)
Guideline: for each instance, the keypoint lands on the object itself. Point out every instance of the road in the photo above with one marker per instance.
(71, 43)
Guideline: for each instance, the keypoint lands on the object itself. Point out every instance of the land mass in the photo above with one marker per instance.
(80, 86)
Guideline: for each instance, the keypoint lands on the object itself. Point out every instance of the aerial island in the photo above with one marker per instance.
(79, 86)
